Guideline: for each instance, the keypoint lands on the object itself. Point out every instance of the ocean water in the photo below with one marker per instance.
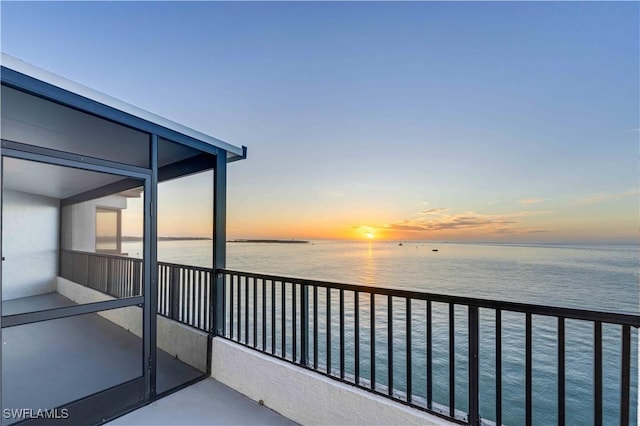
(601, 278)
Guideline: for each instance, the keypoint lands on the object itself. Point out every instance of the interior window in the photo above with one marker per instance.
(108, 230)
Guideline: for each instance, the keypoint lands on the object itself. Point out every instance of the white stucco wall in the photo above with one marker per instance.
(303, 396)
(79, 222)
(29, 243)
(185, 343)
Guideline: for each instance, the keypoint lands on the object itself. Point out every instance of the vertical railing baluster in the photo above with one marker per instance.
(208, 306)
(223, 294)
(184, 285)
(328, 330)
(625, 375)
(452, 362)
(474, 367)
(561, 373)
(341, 333)
(188, 297)
(160, 291)
(239, 308)
(283, 318)
(246, 310)
(194, 289)
(273, 317)
(140, 291)
(390, 344)
(264, 315)
(372, 338)
(195, 316)
(528, 368)
(498, 367)
(199, 299)
(597, 359)
(315, 327)
(304, 326)
(429, 343)
(162, 307)
(231, 303)
(409, 355)
(255, 313)
(184, 281)
(356, 331)
(127, 287)
(294, 325)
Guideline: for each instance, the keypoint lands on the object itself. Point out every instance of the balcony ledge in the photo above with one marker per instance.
(304, 396)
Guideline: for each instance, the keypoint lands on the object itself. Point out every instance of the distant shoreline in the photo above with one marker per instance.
(270, 241)
(168, 238)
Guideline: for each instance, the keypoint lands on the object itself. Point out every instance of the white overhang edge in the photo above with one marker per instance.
(22, 67)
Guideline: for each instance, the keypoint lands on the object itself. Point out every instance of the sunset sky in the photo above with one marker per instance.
(435, 121)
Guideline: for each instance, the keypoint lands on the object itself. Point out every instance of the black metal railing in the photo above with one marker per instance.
(117, 276)
(417, 348)
(447, 355)
(184, 292)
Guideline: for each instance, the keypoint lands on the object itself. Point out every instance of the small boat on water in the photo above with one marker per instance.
(434, 250)
(399, 244)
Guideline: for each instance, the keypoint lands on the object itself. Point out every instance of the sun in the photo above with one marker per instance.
(370, 235)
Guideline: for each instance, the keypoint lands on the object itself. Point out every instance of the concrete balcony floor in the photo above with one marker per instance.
(51, 363)
(207, 402)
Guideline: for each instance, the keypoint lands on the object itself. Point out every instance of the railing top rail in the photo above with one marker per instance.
(135, 259)
(177, 265)
(632, 319)
(90, 253)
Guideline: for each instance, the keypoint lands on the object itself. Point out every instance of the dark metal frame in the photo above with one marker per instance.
(212, 157)
(127, 391)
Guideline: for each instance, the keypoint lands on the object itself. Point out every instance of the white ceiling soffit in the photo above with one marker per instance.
(50, 180)
(22, 67)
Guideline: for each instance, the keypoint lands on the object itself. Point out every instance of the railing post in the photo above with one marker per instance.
(219, 241)
(474, 343)
(174, 293)
(304, 325)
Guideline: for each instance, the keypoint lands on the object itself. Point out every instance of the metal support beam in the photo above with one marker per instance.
(219, 238)
(151, 268)
(171, 171)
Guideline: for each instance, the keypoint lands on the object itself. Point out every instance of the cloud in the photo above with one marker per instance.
(505, 231)
(527, 213)
(450, 222)
(601, 198)
(401, 227)
(431, 221)
(533, 200)
(437, 210)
